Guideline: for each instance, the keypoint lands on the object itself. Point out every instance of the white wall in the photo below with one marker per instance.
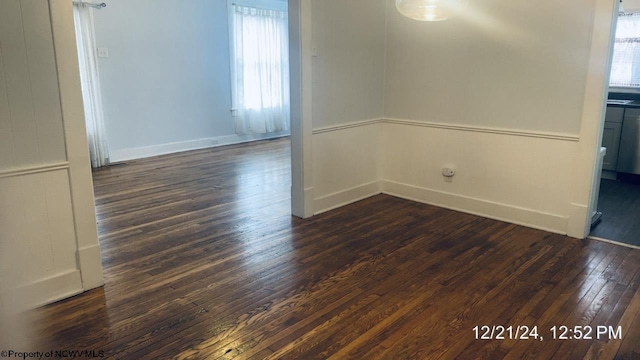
(346, 165)
(49, 246)
(166, 84)
(348, 71)
(519, 65)
(347, 92)
(46, 198)
(498, 92)
(520, 179)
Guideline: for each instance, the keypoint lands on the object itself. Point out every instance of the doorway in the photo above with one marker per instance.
(167, 75)
(153, 61)
(618, 198)
(297, 125)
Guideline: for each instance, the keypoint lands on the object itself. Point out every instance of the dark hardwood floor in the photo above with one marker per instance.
(203, 261)
(619, 202)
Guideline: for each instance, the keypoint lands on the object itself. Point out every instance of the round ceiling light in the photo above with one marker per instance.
(423, 10)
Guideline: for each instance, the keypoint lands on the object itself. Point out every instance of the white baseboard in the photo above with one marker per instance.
(90, 267)
(575, 223)
(161, 149)
(51, 289)
(308, 202)
(345, 197)
(503, 212)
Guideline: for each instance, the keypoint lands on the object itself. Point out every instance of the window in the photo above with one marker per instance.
(625, 68)
(260, 67)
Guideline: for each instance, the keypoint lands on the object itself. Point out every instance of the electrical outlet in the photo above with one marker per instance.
(103, 52)
(448, 172)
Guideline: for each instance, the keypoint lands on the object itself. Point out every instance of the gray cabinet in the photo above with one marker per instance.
(611, 136)
(629, 160)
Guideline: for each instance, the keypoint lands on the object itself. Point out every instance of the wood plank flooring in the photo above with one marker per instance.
(203, 261)
(619, 202)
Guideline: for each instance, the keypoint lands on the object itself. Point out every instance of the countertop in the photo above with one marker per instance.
(624, 103)
(623, 100)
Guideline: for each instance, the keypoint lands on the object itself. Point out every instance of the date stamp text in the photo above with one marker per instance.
(556, 332)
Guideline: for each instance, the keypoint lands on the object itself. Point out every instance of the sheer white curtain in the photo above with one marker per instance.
(625, 70)
(261, 70)
(90, 82)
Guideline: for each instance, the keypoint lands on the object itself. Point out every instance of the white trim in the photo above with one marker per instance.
(81, 182)
(51, 289)
(613, 242)
(470, 128)
(584, 172)
(161, 149)
(486, 129)
(35, 169)
(503, 212)
(345, 197)
(308, 202)
(90, 270)
(346, 126)
(300, 67)
(575, 226)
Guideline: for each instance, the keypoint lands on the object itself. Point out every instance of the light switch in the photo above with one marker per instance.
(103, 52)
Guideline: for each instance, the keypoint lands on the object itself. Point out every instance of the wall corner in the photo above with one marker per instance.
(576, 225)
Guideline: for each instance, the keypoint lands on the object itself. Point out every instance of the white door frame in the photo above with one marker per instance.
(301, 108)
(64, 39)
(585, 172)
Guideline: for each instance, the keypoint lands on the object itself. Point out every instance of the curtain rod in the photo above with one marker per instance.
(269, 5)
(89, 4)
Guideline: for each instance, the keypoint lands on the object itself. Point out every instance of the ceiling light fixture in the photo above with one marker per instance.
(423, 10)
